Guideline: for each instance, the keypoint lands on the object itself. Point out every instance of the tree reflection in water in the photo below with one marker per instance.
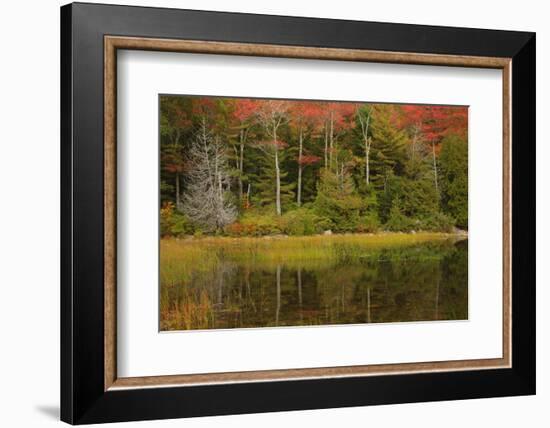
(423, 282)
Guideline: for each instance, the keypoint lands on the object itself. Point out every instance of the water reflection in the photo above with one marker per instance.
(418, 283)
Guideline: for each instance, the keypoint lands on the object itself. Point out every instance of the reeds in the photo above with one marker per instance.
(193, 310)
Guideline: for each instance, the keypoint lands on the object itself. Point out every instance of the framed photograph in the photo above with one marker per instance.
(266, 213)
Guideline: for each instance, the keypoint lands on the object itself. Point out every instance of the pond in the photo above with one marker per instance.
(353, 284)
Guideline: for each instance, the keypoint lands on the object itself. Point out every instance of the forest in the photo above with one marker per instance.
(255, 167)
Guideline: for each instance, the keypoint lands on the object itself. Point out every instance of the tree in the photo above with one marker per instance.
(382, 162)
(420, 198)
(245, 110)
(304, 115)
(388, 145)
(263, 174)
(272, 114)
(454, 179)
(363, 115)
(337, 117)
(175, 121)
(389, 194)
(434, 123)
(206, 200)
(338, 201)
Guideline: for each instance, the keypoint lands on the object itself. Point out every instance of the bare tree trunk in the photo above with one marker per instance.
(367, 164)
(331, 140)
(365, 131)
(240, 163)
(326, 146)
(299, 192)
(218, 178)
(278, 183)
(274, 116)
(277, 174)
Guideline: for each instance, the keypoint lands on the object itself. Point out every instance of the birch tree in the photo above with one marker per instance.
(363, 117)
(272, 115)
(337, 121)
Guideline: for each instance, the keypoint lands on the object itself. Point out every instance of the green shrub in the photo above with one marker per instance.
(255, 224)
(397, 222)
(369, 223)
(298, 222)
(438, 222)
(174, 223)
(182, 225)
(166, 219)
(303, 221)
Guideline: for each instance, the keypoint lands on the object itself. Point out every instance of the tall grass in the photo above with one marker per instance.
(181, 257)
(192, 310)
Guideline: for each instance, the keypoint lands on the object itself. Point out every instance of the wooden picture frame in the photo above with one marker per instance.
(91, 390)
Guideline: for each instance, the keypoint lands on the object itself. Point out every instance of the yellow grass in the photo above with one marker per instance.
(179, 258)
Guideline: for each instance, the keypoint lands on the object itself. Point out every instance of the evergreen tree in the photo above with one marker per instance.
(388, 146)
(265, 188)
(175, 130)
(391, 191)
(419, 199)
(338, 201)
(454, 179)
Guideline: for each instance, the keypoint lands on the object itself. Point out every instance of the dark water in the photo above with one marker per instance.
(419, 283)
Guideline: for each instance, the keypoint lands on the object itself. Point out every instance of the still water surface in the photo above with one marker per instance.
(423, 282)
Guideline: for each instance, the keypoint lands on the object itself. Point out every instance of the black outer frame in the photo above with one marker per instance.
(83, 399)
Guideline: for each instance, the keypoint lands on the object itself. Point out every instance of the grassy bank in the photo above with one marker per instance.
(181, 257)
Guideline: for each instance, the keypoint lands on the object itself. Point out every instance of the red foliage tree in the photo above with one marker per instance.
(244, 112)
(433, 123)
(304, 115)
(338, 118)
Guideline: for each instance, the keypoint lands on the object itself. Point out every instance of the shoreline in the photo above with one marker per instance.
(458, 235)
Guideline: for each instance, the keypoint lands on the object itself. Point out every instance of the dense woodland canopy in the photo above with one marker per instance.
(240, 167)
